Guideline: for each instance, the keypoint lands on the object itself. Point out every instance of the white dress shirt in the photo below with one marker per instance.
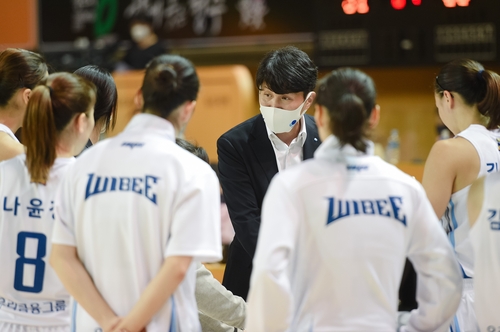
(287, 156)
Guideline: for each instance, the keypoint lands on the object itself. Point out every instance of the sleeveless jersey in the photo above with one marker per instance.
(455, 218)
(485, 238)
(5, 129)
(30, 291)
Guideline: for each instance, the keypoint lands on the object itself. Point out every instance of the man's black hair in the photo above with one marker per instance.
(287, 70)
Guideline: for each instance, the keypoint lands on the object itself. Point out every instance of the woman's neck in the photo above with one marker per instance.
(9, 118)
(468, 116)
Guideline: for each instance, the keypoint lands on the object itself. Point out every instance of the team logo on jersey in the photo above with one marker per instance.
(139, 185)
(498, 143)
(390, 207)
(133, 145)
(357, 167)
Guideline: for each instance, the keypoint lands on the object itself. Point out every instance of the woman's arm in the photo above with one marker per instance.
(451, 165)
(155, 295)
(76, 279)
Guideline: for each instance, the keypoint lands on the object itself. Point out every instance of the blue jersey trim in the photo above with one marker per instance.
(452, 236)
(454, 223)
(173, 318)
(73, 316)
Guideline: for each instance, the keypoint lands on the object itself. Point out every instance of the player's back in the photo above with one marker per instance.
(361, 220)
(30, 291)
(124, 194)
(485, 238)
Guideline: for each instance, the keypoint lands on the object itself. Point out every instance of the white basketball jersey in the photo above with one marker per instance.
(129, 203)
(455, 218)
(30, 291)
(485, 238)
(333, 239)
(5, 129)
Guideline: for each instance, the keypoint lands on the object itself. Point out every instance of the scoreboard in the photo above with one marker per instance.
(405, 32)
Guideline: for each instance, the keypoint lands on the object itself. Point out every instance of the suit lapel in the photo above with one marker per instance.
(261, 146)
(312, 141)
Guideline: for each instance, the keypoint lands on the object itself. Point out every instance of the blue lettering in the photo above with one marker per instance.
(367, 207)
(381, 204)
(355, 205)
(493, 213)
(135, 185)
(96, 190)
(331, 210)
(391, 208)
(99, 184)
(396, 203)
(113, 184)
(147, 186)
(124, 184)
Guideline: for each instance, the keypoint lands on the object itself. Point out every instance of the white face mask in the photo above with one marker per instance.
(139, 32)
(282, 121)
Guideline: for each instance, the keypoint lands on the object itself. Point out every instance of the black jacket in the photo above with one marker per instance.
(247, 164)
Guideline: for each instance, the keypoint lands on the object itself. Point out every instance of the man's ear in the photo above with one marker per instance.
(374, 117)
(26, 95)
(139, 100)
(310, 99)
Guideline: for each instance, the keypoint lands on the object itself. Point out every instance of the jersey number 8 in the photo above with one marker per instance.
(38, 262)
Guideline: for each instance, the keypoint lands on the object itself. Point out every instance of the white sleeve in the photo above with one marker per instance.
(64, 224)
(270, 299)
(216, 302)
(195, 229)
(439, 287)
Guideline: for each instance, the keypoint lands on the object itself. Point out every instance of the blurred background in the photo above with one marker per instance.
(400, 43)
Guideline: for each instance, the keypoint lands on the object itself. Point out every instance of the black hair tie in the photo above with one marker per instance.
(51, 91)
(480, 74)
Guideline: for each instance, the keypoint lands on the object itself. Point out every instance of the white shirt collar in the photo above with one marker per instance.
(301, 137)
(5, 129)
(153, 124)
(330, 149)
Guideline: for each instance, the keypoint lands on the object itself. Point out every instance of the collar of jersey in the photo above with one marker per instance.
(330, 149)
(152, 124)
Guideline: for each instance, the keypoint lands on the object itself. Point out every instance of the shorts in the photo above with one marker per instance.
(10, 327)
(465, 319)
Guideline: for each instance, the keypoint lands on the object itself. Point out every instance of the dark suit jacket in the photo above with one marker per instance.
(247, 164)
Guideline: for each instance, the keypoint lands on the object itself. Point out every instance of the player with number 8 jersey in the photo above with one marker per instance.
(58, 123)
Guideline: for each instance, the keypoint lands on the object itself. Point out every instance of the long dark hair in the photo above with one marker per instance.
(19, 69)
(52, 105)
(349, 96)
(170, 80)
(476, 85)
(107, 95)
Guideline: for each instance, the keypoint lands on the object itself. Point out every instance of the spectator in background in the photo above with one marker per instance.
(146, 44)
(20, 72)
